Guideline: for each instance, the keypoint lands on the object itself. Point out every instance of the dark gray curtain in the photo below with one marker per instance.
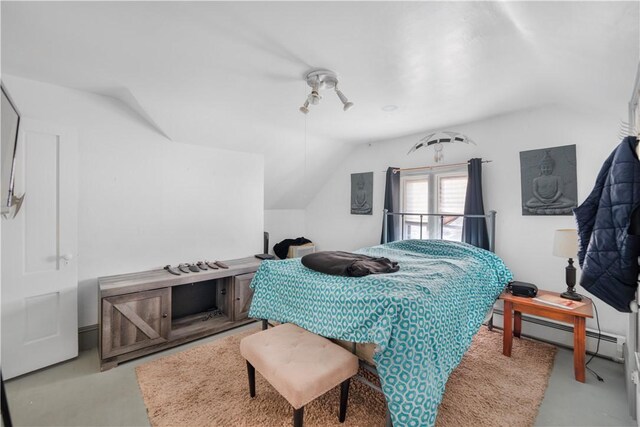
(392, 204)
(474, 230)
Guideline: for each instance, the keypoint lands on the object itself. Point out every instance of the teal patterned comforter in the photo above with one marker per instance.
(422, 318)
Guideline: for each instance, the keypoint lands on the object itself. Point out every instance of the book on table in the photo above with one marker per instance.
(558, 301)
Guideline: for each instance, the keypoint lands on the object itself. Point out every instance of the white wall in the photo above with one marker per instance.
(524, 242)
(144, 201)
(284, 224)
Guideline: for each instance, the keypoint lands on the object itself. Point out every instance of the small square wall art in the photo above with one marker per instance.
(362, 193)
(549, 181)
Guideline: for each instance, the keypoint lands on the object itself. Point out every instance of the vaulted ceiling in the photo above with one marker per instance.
(229, 74)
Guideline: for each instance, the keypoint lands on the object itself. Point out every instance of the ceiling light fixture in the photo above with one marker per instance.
(321, 79)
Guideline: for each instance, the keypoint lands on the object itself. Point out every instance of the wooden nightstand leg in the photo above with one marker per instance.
(507, 339)
(517, 323)
(579, 347)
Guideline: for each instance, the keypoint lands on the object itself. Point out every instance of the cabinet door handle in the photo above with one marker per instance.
(164, 315)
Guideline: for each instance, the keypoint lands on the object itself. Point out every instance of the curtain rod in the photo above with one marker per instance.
(435, 166)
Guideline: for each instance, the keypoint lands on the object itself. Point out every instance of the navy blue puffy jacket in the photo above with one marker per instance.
(608, 253)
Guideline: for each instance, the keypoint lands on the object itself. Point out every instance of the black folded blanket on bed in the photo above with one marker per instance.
(339, 263)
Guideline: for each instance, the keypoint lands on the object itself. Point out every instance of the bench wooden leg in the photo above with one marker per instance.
(344, 397)
(298, 416)
(265, 324)
(252, 379)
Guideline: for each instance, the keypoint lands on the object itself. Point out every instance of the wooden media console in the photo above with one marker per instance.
(149, 311)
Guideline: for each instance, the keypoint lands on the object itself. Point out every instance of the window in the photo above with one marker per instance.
(451, 194)
(415, 193)
(433, 193)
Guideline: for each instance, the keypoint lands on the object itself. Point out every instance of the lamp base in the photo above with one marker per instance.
(571, 283)
(572, 295)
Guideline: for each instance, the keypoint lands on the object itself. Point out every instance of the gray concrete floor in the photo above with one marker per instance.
(76, 393)
(594, 403)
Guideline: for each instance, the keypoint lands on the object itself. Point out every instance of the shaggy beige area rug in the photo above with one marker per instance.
(207, 386)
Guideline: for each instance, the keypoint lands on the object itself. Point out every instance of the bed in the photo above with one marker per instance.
(421, 319)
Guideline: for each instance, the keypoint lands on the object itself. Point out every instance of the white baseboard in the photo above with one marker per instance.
(611, 346)
(87, 337)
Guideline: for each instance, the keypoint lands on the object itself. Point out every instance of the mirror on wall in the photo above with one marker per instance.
(10, 122)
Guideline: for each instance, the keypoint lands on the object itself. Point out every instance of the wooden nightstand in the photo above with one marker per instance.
(515, 306)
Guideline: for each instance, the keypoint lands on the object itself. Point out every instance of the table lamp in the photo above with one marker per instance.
(565, 245)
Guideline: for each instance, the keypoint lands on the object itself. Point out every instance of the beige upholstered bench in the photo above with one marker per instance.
(300, 365)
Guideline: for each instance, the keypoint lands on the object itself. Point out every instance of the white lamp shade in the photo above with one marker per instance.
(565, 243)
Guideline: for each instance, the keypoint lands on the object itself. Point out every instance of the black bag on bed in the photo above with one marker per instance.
(339, 263)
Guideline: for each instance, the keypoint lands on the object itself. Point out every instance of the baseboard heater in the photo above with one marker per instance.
(611, 346)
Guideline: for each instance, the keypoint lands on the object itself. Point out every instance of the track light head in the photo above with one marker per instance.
(347, 105)
(314, 97)
(305, 107)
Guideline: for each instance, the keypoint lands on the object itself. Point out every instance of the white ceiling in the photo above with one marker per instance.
(229, 75)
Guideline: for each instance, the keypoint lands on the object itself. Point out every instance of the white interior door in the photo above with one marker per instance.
(39, 247)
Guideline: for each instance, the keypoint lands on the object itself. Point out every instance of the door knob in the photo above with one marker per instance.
(66, 258)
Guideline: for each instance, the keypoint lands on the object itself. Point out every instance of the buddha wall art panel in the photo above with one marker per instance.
(362, 193)
(549, 181)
